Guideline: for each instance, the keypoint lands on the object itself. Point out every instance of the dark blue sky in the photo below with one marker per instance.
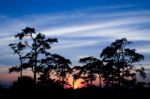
(16, 8)
(83, 27)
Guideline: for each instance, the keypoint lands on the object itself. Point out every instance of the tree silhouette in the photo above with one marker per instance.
(37, 48)
(23, 82)
(48, 70)
(45, 76)
(62, 67)
(91, 67)
(119, 60)
(18, 49)
(99, 69)
(76, 72)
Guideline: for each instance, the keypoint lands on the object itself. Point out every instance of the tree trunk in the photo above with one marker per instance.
(91, 80)
(100, 81)
(35, 76)
(73, 82)
(21, 66)
(35, 68)
(21, 73)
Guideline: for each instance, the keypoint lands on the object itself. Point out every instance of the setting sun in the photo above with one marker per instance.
(77, 85)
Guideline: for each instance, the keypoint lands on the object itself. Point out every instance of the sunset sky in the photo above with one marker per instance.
(83, 27)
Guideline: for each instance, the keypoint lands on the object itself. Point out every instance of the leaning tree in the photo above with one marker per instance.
(18, 49)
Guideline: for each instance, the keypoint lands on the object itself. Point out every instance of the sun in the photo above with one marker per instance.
(78, 84)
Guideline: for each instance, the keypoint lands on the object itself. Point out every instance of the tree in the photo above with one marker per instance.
(119, 60)
(55, 66)
(91, 67)
(76, 72)
(37, 48)
(62, 67)
(49, 69)
(18, 49)
(23, 82)
(99, 69)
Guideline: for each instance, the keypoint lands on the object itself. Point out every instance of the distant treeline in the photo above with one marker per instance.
(25, 88)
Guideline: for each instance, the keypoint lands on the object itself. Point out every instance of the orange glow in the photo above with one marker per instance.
(6, 77)
(77, 85)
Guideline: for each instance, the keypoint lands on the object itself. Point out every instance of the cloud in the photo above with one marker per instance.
(144, 49)
(82, 56)
(101, 25)
(74, 44)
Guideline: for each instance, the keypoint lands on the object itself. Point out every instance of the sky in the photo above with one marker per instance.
(83, 27)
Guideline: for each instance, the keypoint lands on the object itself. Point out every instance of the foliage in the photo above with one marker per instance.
(119, 68)
(37, 47)
(91, 67)
(18, 49)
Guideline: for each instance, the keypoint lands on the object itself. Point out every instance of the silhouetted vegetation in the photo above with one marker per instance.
(91, 68)
(36, 46)
(18, 49)
(115, 70)
(76, 74)
(119, 62)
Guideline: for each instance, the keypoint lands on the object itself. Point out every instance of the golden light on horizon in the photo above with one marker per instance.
(77, 85)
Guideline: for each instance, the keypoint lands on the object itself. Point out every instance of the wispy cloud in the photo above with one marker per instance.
(105, 23)
(75, 44)
(144, 49)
